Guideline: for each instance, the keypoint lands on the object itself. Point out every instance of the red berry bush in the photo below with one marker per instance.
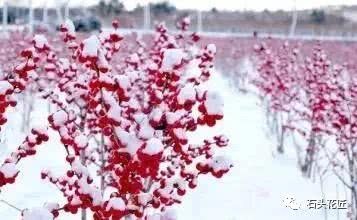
(126, 121)
(313, 99)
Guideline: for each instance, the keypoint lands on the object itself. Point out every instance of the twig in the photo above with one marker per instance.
(10, 205)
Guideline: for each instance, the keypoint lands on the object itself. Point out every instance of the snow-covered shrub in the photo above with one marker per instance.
(277, 81)
(131, 122)
(318, 99)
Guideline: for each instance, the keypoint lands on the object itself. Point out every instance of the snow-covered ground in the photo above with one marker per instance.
(253, 190)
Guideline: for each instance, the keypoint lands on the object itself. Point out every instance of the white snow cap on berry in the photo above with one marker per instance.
(9, 170)
(153, 146)
(68, 24)
(214, 103)
(187, 93)
(186, 20)
(116, 203)
(40, 41)
(115, 112)
(130, 140)
(91, 46)
(146, 131)
(81, 141)
(219, 163)
(172, 57)
(212, 48)
(5, 86)
(60, 117)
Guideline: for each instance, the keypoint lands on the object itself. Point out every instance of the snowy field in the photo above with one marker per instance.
(253, 190)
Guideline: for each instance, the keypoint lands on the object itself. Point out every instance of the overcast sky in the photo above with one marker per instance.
(208, 4)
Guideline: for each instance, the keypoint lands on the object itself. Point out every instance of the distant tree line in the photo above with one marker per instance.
(114, 7)
(318, 16)
(111, 7)
(162, 7)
